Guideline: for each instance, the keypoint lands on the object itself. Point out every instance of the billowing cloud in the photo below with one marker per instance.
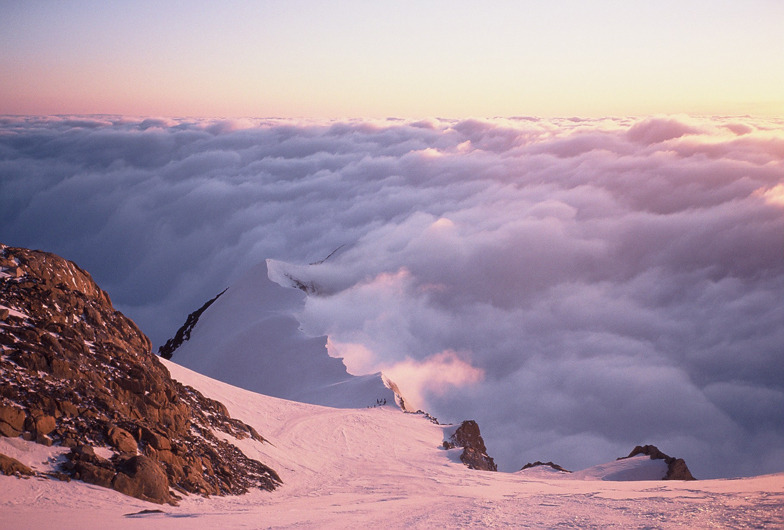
(437, 375)
(576, 286)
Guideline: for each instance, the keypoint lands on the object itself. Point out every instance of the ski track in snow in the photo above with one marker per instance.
(379, 467)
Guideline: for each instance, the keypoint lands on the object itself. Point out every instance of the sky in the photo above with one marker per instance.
(410, 59)
(577, 286)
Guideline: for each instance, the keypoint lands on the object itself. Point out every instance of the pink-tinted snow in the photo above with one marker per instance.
(380, 467)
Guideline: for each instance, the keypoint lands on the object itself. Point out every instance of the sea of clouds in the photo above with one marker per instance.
(576, 286)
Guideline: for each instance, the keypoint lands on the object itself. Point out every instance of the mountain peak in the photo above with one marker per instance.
(78, 374)
(250, 337)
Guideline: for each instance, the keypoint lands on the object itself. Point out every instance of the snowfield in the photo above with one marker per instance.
(380, 467)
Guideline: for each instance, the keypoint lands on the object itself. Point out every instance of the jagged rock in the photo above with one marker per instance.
(547, 464)
(122, 440)
(83, 452)
(83, 464)
(43, 424)
(12, 420)
(67, 409)
(678, 470)
(676, 467)
(474, 453)
(94, 474)
(75, 372)
(143, 478)
(157, 441)
(12, 466)
(184, 333)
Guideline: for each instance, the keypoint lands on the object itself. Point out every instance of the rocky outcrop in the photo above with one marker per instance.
(141, 477)
(77, 373)
(12, 466)
(474, 453)
(12, 420)
(676, 467)
(184, 333)
(544, 464)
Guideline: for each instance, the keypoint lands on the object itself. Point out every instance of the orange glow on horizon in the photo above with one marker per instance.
(373, 60)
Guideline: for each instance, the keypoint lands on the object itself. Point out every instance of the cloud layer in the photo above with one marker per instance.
(578, 287)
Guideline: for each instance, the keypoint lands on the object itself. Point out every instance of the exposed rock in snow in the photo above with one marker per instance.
(184, 333)
(12, 466)
(550, 465)
(296, 276)
(12, 420)
(676, 467)
(638, 467)
(474, 453)
(643, 463)
(76, 373)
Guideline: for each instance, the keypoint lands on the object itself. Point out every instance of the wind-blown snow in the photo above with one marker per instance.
(537, 272)
(380, 467)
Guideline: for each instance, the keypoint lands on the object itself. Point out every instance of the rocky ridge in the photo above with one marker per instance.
(77, 373)
(539, 463)
(184, 333)
(676, 467)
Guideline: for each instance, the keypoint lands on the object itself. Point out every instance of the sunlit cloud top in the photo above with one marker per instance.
(409, 59)
(532, 274)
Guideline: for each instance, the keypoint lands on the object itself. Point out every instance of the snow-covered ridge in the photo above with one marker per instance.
(640, 467)
(250, 337)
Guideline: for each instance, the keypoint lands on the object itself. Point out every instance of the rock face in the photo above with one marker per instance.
(676, 467)
(141, 477)
(75, 372)
(184, 333)
(545, 464)
(474, 453)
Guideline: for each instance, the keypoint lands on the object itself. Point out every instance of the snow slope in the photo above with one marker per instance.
(639, 467)
(380, 467)
(249, 337)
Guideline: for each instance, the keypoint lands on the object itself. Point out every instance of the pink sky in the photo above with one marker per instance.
(406, 59)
